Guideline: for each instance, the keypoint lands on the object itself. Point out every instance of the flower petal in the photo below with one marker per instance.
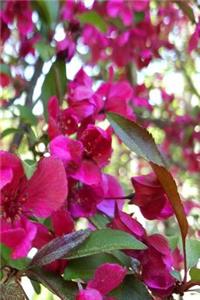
(89, 294)
(107, 277)
(18, 236)
(47, 188)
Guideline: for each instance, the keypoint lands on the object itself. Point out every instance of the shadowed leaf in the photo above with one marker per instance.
(59, 247)
(65, 290)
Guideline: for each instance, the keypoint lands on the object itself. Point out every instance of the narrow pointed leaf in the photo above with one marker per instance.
(170, 187)
(59, 247)
(105, 240)
(139, 140)
(136, 138)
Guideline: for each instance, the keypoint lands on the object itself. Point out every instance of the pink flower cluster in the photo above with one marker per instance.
(71, 181)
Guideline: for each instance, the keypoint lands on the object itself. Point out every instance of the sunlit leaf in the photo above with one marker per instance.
(9, 131)
(92, 17)
(195, 274)
(45, 51)
(48, 11)
(54, 83)
(26, 115)
(29, 168)
(105, 240)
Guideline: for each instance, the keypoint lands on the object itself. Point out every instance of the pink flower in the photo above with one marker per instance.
(39, 196)
(97, 144)
(4, 30)
(66, 48)
(125, 9)
(60, 121)
(82, 98)
(125, 222)
(20, 10)
(89, 294)
(27, 45)
(70, 8)
(140, 97)
(77, 166)
(111, 190)
(5, 80)
(151, 198)
(157, 266)
(106, 278)
(194, 39)
(83, 199)
(97, 41)
(115, 97)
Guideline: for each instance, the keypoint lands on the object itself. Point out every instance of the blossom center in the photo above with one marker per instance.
(11, 205)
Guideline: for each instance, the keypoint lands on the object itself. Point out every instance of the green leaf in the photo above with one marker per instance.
(45, 51)
(173, 241)
(139, 16)
(8, 131)
(99, 221)
(136, 138)
(6, 259)
(93, 18)
(195, 274)
(59, 247)
(176, 275)
(4, 68)
(193, 252)
(26, 115)
(131, 289)
(84, 268)
(54, 282)
(54, 83)
(105, 240)
(36, 286)
(48, 11)
(29, 168)
(139, 140)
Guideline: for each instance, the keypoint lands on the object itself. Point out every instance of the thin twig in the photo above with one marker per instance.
(28, 102)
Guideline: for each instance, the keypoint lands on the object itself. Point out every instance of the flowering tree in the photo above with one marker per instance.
(85, 93)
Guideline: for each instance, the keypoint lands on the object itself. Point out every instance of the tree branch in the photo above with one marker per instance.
(28, 102)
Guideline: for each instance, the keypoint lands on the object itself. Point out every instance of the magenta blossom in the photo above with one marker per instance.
(151, 197)
(21, 198)
(194, 39)
(72, 155)
(125, 9)
(97, 144)
(66, 48)
(115, 96)
(156, 261)
(81, 97)
(106, 278)
(21, 10)
(60, 121)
